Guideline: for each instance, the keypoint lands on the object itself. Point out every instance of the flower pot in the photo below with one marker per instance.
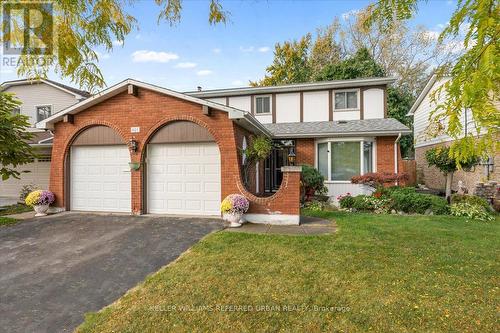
(233, 219)
(41, 210)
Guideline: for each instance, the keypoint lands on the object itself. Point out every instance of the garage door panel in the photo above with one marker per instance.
(191, 178)
(100, 178)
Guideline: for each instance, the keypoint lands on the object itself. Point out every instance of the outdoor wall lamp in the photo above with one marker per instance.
(132, 145)
(291, 157)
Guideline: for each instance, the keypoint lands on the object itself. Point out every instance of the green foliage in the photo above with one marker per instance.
(258, 150)
(399, 102)
(317, 206)
(412, 202)
(346, 201)
(471, 199)
(14, 149)
(81, 27)
(471, 211)
(312, 179)
(475, 75)
(359, 65)
(290, 64)
(440, 158)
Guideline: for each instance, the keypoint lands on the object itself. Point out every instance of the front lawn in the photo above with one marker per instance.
(15, 209)
(383, 273)
(7, 220)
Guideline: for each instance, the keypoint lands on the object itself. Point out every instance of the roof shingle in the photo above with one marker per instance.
(385, 126)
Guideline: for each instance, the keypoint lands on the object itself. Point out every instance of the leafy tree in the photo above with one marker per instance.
(81, 27)
(399, 102)
(290, 64)
(440, 158)
(475, 76)
(361, 64)
(14, 149)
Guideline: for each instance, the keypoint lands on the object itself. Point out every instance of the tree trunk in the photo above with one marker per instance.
(449, 179)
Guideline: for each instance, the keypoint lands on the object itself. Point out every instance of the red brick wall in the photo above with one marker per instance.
(385, 154)
(150, 111)
(304, 151)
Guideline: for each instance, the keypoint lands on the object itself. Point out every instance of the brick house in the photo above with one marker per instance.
(140, 148)
(427, 138)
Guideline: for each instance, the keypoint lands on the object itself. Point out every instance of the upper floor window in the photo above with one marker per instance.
(262, 104)
(43, 112)
(16, 111)
(346, 100)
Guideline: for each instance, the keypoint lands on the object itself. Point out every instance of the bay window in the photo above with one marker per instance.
(340, 160)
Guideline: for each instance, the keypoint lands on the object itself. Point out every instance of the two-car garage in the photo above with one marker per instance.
(181, 174)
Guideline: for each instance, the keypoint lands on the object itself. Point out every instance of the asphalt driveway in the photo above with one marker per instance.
(55, 269)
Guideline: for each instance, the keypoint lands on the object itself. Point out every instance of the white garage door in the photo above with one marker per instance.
(184, 178)
(100, 178)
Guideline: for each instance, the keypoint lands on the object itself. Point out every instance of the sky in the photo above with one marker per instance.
(194, 53)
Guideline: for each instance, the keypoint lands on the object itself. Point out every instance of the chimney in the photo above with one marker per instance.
(199, 88)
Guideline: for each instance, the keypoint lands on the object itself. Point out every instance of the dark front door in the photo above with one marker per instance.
(273, 164)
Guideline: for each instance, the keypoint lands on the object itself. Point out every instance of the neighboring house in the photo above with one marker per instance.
(428, 136)
(40, 99)
(186, 147)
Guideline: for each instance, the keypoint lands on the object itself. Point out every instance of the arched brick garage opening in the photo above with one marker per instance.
(181, 170)
(97, 174)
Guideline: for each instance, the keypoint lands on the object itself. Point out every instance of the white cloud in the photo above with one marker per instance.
(153, 56)
(349, 14)
(117, 42)
(138, 36)
(247, 49)
(102, 56)
(6, 71)
(237, 83)
(186, 65)
(216, 50)
(264, 49)
(204, 72)
(432, 34)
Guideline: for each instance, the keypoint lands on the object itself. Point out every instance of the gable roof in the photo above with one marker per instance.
(353, 83)
(316, 129)
(79, 94)
(244, 118)
(428, 86)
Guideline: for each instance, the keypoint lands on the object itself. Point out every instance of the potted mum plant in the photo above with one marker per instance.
(40, 200)
(233, 207)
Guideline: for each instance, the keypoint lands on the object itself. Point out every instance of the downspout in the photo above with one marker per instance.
(396, 171)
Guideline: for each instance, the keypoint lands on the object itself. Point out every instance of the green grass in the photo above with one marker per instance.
(384, 273)
(7, 221)
(15, 209)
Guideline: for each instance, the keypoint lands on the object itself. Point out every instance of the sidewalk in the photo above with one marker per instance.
(308, 226)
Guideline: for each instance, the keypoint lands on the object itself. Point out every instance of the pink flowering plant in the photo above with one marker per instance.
(345, 200)
(234, 204)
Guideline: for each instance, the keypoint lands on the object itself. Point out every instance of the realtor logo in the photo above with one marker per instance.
(27, 28)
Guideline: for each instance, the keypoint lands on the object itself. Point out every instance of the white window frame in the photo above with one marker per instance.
(270, 105)
(358, 91)
(42, 105)
(19, 109)
(361, 140)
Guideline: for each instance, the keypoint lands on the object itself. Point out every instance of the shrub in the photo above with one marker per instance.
(316, 205)
(346, 200)
(439, 205)
(370, 203)
(470, 211)
(312, 181)
(412, 202)
(378, 179)
(25, 190)
(471, 199)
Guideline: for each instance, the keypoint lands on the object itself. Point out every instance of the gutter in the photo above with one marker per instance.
(396, 155)
(337, 134)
